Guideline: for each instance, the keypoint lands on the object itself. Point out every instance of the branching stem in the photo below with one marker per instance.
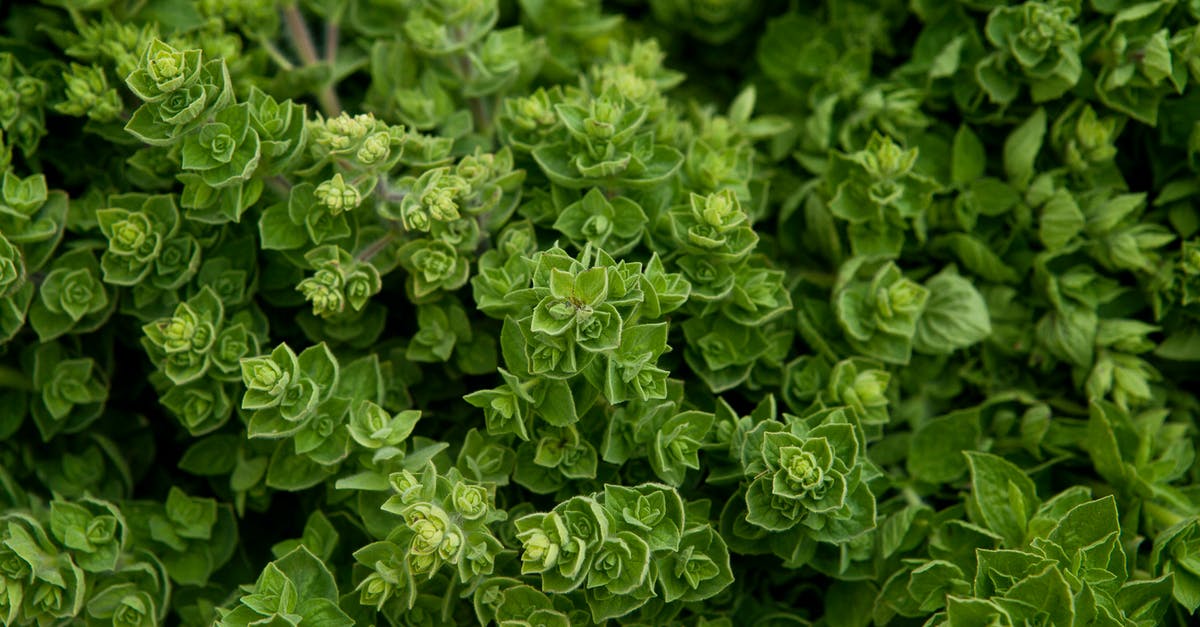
(302, 40)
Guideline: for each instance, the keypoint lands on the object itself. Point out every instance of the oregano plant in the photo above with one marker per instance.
(562, 313)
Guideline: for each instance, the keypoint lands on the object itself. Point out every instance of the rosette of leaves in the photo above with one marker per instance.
(281, 128)
(139, 229)
(1118, 237)
(72, 298)
(575, 308)
(858, 384)
(561, 544)
(580, 310)
(878, 309)
(1143, 61)
(633, 431)
(179, 90)
(438, 195)
(192, 536)
(717, 242)
(31, 216)
(554, 456)
(305, 403)
(15, 291)
(808, 483)
(509, 407)
(759, 294)
(614, 225)
(456, 204)
(526, 122)
(504, 269)
(1174, 555)
(92, 530)
(439, 329)
(632, 370)
(605, 142)
(22, 103)
(1086, 139)
(506, 59)
(361, 141)
(513, 604)
(204, 404)
(1063, 555)
(282, 133)
(442, 28)
(878, 192)
(663, 291)
(224, 151)
(485, 459)
(444, 330)
(619, 548)
(308, 217)
(88, 94)
(445, 523)
(1040, 41)
(201, 406)
(69, 392)
(42, 583)
(699, 570)
(163, 70)
(184, 344)
(1140, 453)
(295, 589)
(136, 595)
(338, 280)
(494, 185)
(433, 265)
(723, 352)
(715, 227)
(373, 427)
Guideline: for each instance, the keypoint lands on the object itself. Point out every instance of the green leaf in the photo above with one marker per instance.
(935, 450)
(211, 456)
(969, 160)
(1021, 149)
(1004, 495)
(955, 315)
(278, 232)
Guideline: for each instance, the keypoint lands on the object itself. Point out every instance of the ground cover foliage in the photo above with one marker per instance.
(560, 312)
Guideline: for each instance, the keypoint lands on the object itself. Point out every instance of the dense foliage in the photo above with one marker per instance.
(541, 313)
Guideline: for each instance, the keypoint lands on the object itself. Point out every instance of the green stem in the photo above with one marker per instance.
(276, 54)
(14, 379)
(303, 42)
(1160, 514)
(281, 185)
(481, 114)
(332, 35)
(911, 497)
(298, 32)
(375, 247)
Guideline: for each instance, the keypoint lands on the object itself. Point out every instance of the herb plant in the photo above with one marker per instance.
(555, 313)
